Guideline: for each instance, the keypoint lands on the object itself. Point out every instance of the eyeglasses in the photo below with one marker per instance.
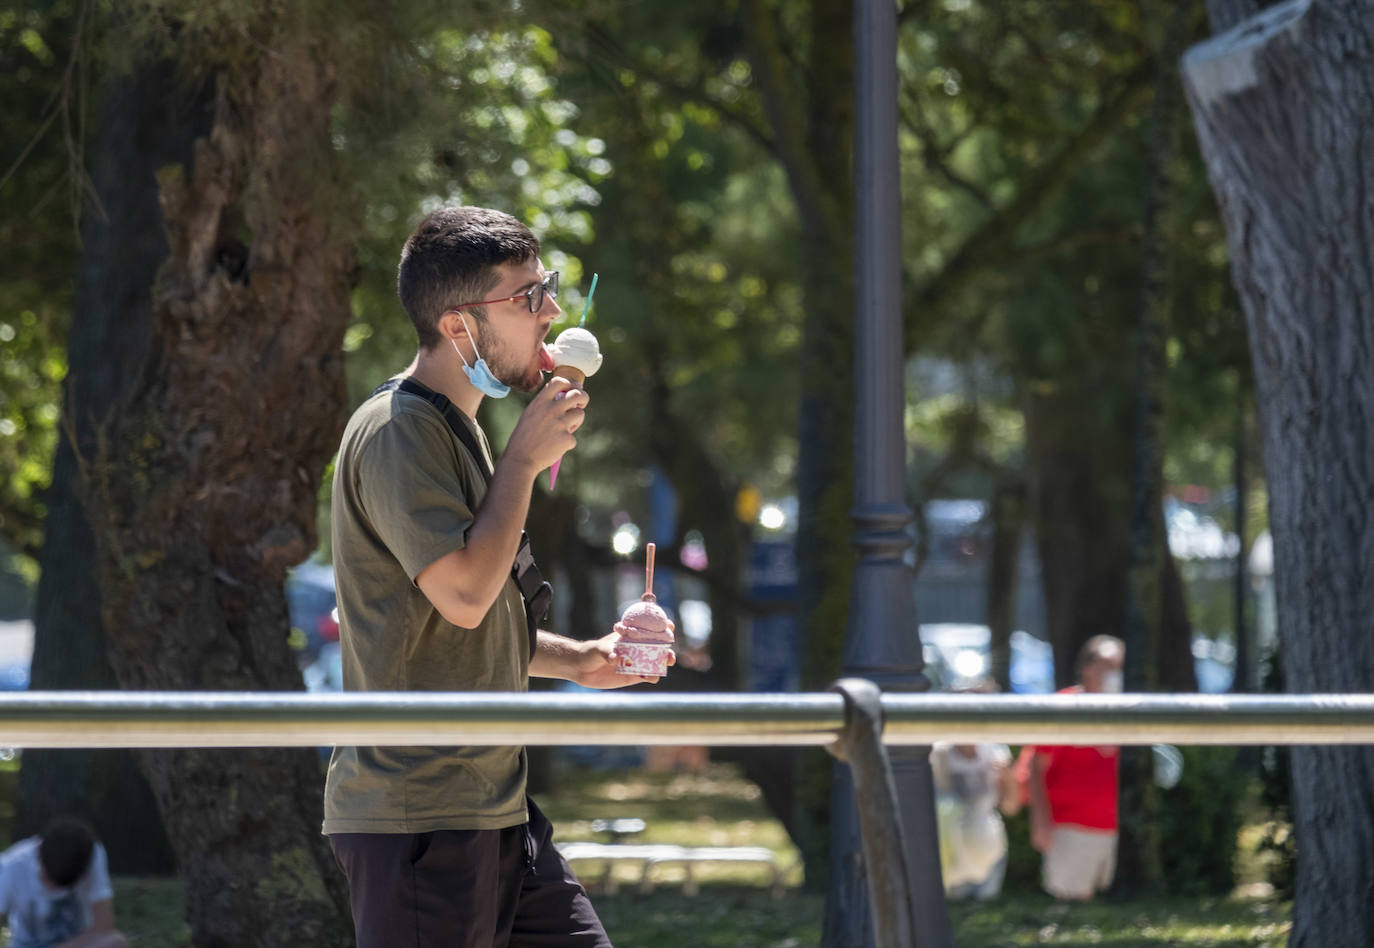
(533, 297)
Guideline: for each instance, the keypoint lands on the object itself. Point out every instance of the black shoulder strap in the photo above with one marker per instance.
(445, 407)
(537, 593)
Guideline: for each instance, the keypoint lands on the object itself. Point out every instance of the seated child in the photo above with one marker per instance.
(55, 890)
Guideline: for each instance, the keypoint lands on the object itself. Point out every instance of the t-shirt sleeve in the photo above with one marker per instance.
(95, 883)
(411, 492)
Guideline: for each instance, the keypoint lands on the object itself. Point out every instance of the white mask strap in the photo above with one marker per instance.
(470, 336)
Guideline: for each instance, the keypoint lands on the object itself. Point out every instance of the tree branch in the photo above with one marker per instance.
(1072, 241)
(932, 156)
(679, 91)
(990, 241)
(785, 112)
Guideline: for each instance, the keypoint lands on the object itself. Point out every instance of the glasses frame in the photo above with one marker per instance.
(547, 285)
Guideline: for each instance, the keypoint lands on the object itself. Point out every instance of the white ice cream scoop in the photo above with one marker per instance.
(577, 349)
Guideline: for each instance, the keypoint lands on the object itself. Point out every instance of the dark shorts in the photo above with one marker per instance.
(505, 888)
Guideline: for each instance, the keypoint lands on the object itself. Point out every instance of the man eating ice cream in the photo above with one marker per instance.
(437, 592)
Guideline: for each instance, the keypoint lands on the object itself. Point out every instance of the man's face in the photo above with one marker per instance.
(1103, 672)
(511, 338)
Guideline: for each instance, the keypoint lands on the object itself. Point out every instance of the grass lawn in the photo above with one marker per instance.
(735, 908)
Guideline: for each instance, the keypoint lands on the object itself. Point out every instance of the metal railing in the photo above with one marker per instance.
(91, 719)
(854, 722)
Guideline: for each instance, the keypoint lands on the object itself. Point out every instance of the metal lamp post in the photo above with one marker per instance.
(882, 644)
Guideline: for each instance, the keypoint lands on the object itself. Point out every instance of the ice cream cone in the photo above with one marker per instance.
(571, 373)
(576, 355)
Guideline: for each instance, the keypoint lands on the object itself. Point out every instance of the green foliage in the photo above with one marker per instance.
(993, 97)
(1023, 862)
(696, 243)
(459, 117)
(31, 374)
(1200, 819)
(41, 179)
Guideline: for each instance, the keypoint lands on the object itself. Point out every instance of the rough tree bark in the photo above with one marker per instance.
(201, 490)
(147, 120)
(1283, 105)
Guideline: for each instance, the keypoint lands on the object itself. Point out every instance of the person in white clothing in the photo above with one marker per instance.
(973, 782)
(55, 890)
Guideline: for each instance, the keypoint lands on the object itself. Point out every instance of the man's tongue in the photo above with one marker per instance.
(545, 358)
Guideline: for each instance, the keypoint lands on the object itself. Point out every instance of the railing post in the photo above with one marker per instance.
(860, 745)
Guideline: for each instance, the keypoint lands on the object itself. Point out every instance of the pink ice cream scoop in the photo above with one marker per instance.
(646, 633)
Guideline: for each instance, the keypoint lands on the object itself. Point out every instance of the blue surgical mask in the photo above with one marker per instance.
(480, 375)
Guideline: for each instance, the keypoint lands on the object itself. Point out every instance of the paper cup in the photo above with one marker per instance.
(636, 658)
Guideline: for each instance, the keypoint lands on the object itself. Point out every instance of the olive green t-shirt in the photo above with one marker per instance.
(405, 489)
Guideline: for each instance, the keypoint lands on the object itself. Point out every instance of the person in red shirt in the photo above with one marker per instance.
(1073, 792)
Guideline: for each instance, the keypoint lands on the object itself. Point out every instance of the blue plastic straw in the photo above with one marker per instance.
(586, 307)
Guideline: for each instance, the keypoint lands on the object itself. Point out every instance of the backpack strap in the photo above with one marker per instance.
(536, 592)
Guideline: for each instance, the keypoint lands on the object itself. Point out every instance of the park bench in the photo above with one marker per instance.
(650, 855)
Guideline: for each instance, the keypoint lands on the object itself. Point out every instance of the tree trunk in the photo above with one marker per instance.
(202, 488)
(1283, 109)
(813, 135)
(143, 120)
(1174, 652)
(1077, 465)
(1078, 469)
(1138, 866)
(1008, 511)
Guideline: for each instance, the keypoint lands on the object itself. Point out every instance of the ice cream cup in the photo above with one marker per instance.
(641, 658)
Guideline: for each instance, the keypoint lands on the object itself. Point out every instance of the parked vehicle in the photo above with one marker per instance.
(16, 653)
(957, 657)
(313, 608)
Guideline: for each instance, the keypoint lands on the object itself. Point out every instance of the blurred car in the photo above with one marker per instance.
(16, 654)
(1214, 662)
(313, 607)
(957, 658)
(325, 673)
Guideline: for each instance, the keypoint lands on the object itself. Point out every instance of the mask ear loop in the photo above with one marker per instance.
(454, 342)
